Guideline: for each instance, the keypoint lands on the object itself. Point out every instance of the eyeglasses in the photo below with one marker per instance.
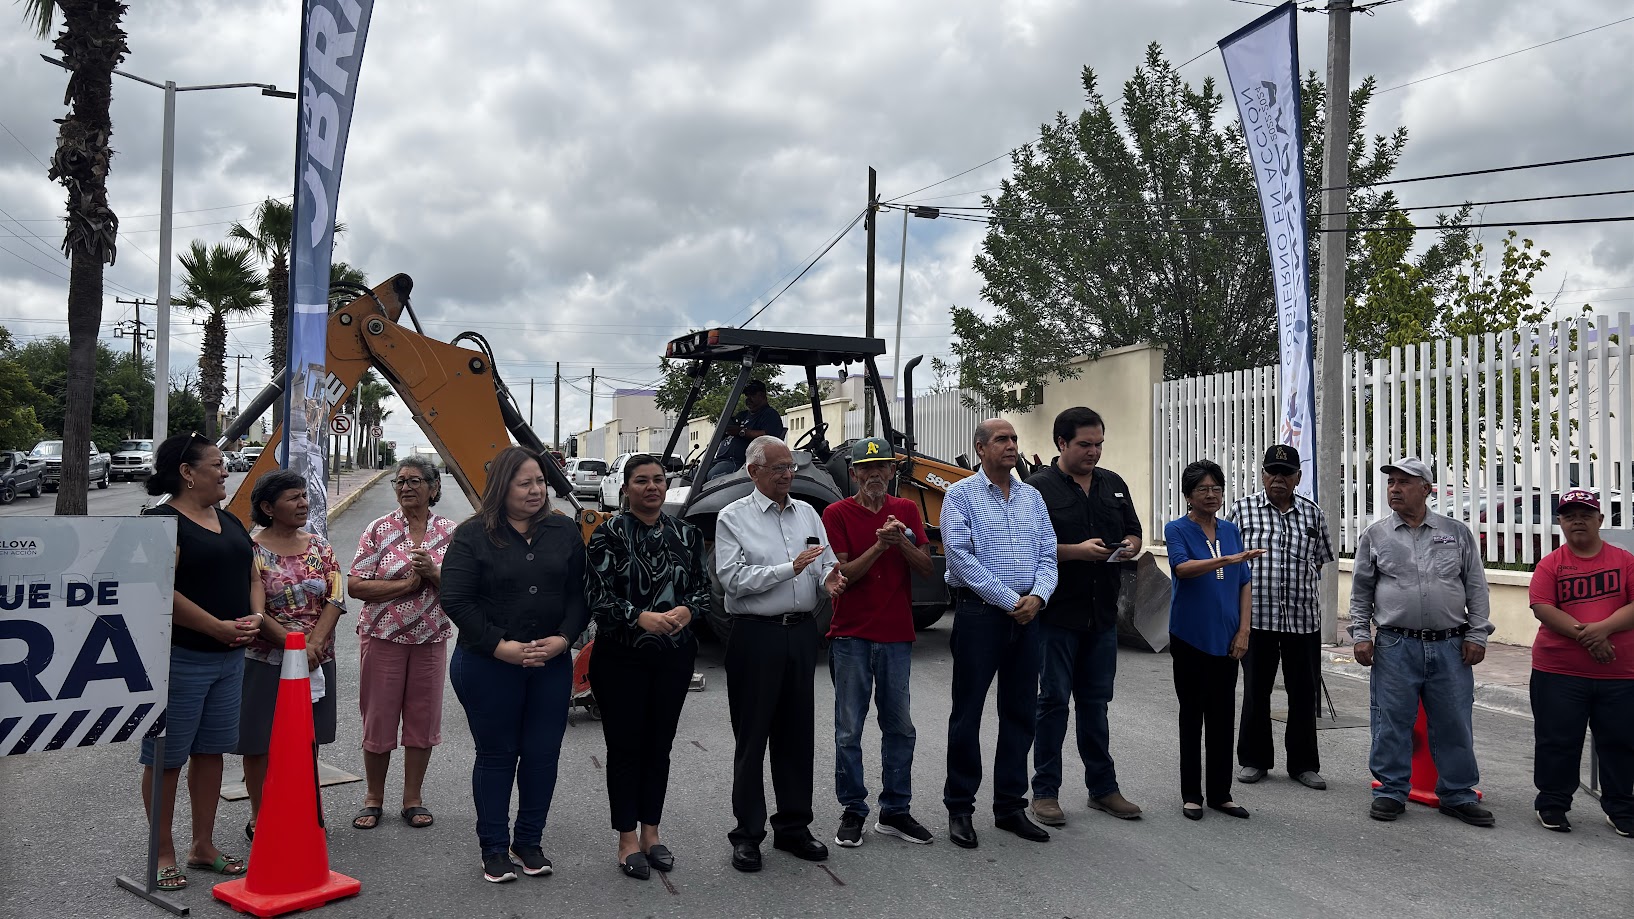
(408, 482)
(1209, 490)
(782, 468)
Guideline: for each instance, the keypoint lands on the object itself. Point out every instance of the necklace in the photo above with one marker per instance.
(1214, 550)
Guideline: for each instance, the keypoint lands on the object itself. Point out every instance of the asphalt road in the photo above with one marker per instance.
(70, 822)
(117, 500)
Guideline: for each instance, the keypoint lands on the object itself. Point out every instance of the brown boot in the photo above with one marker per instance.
(1116, 805)
(1048, 812)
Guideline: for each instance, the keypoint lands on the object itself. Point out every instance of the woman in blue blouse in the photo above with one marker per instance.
(1208, 635)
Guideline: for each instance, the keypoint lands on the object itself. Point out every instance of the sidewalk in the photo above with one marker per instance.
(349, 487)
(1501, 679)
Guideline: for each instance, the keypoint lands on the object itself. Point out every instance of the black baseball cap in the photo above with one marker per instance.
(1281, 458)
(754, 386)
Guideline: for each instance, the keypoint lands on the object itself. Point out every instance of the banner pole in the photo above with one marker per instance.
(149, 890)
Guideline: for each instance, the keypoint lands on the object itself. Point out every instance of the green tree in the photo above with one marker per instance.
(20, 427)
(343, 273)
(219, 281)
(371, 393)
(1143, 225)
(677, 381)
(186, 411)
(92, 44)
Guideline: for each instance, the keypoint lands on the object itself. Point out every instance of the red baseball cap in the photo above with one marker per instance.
(1579, 496)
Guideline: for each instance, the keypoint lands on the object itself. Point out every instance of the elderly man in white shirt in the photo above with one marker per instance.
(774, 564)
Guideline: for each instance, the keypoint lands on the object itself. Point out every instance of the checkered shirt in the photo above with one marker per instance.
(1297, 545)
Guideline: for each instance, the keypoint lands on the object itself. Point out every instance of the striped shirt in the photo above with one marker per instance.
(998, 547)
(1286, 577)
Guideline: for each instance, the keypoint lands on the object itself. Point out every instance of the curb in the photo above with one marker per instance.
(1499, 697)
(340, 506)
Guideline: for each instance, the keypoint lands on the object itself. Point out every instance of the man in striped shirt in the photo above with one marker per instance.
(1001, 570)
(1286, 624)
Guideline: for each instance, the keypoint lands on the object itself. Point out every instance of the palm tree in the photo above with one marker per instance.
(370, 394)
(219, 281)
(344, 273)
(269, 236)
(92, 44)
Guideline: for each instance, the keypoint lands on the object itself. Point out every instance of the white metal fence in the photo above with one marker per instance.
(1505, 420)
(943, 426)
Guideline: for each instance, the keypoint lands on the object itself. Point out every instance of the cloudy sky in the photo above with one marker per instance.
(583, 181)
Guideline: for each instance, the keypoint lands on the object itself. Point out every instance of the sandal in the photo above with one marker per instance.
(249, 831)
(368, 813)
(230, 865)
(170, 878)
(412, 814)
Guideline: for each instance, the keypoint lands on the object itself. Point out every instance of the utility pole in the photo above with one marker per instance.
(556, 430)
(530, 402)
(868, 312)
(238, 380)
(135, 329)
(1331, 326)
(592, 425)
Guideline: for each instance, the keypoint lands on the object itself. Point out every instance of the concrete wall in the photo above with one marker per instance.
(799, 420)
(1119, 386)
(1512, 619)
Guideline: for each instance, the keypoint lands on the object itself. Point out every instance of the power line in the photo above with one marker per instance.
(809, 265)
(1502, 56)
(829, 243)
(1259, 230)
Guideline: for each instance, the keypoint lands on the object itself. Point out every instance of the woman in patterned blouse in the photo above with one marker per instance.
(646, 583)
(402, 636)
(302, 582)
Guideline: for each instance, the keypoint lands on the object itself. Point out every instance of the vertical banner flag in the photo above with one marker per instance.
(1262, 63)
(332, 35)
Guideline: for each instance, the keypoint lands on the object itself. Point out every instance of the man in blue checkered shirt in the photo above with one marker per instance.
(1001, 570)
(1286, 621)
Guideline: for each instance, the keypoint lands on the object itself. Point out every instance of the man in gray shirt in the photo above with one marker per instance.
(773, 562)
(1420, 580)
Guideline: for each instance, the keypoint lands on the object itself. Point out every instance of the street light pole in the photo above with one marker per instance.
(928, 213)
(167, 194)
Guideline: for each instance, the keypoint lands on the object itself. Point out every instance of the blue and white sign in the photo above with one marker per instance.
(1262, 63)
(332, 36)
(85, 606)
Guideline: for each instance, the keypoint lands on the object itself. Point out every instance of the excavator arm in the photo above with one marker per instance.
(452, 393)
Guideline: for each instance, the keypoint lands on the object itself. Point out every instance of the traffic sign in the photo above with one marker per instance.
(341, 424)
(376, 431)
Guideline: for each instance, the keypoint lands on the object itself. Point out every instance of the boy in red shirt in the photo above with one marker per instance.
(880, 542)
(1583, 667)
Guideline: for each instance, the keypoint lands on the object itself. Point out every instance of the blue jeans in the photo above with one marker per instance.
(859, 667)
(1080, 666)
(201, 710)
(986, 643)
(517, 716)
(1405, 672)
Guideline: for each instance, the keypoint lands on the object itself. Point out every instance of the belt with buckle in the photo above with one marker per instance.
(1427, 634)
(784, 619)
(965, 593)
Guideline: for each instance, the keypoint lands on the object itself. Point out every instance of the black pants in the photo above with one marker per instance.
(1301, 659)
(1207, 689)
(640, 691)
(1562, 706)
(988, 643)
(769, 691)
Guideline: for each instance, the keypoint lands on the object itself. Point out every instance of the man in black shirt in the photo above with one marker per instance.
(1096, 531)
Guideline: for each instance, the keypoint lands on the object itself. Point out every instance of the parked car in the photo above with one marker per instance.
(19, 475)
(585, 473)
(248, 456)
(133, 460)
(610, 494)
(50, 452)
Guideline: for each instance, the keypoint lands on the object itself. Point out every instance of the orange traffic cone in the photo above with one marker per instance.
(289, 859)
(1425, 775)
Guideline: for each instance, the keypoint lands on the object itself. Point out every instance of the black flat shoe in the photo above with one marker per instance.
(746, 857)
(961, 831)
(1235, 810)
(1021, 826)
(660, 857)
(635, 866)
(1192, 813)
(807, 848)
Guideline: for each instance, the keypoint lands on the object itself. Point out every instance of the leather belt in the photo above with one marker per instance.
(784, 619)
(965, 593)
(1427, 634)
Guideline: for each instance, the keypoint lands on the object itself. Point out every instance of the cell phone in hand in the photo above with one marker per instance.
(1119, 552)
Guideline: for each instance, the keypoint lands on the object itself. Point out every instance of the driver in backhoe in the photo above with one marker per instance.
(757, 419)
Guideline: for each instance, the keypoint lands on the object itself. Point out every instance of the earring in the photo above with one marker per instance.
(189, 484)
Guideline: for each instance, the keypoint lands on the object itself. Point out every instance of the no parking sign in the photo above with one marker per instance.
(85, 606)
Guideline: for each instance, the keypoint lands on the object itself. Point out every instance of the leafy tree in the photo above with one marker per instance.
(186, 410)
(343, 273)
(20, 428)
(1144, 226)
(92, 45)
(219, 281)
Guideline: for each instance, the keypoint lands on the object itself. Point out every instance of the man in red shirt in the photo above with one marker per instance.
(1583, 667)
(880, 542)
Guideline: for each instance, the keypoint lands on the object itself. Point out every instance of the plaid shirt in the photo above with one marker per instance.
(1285, 578)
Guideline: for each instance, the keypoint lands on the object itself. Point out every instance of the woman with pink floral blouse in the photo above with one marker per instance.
(402, 640)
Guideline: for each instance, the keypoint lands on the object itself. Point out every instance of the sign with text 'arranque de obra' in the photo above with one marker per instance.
(85, 606)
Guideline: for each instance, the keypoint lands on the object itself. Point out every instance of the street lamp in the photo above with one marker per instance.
(161, 352)
(928, 213)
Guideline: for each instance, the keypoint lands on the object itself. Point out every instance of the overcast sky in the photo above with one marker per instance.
(583, 181)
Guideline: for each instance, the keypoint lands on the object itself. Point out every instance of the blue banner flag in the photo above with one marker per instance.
(1262, 63)
(332, 35)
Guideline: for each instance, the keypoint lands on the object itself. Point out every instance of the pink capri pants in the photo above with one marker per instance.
(401, 685)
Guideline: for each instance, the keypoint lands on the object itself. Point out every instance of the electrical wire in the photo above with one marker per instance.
(1500, 57)
(1260, 230)
(809, 265)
